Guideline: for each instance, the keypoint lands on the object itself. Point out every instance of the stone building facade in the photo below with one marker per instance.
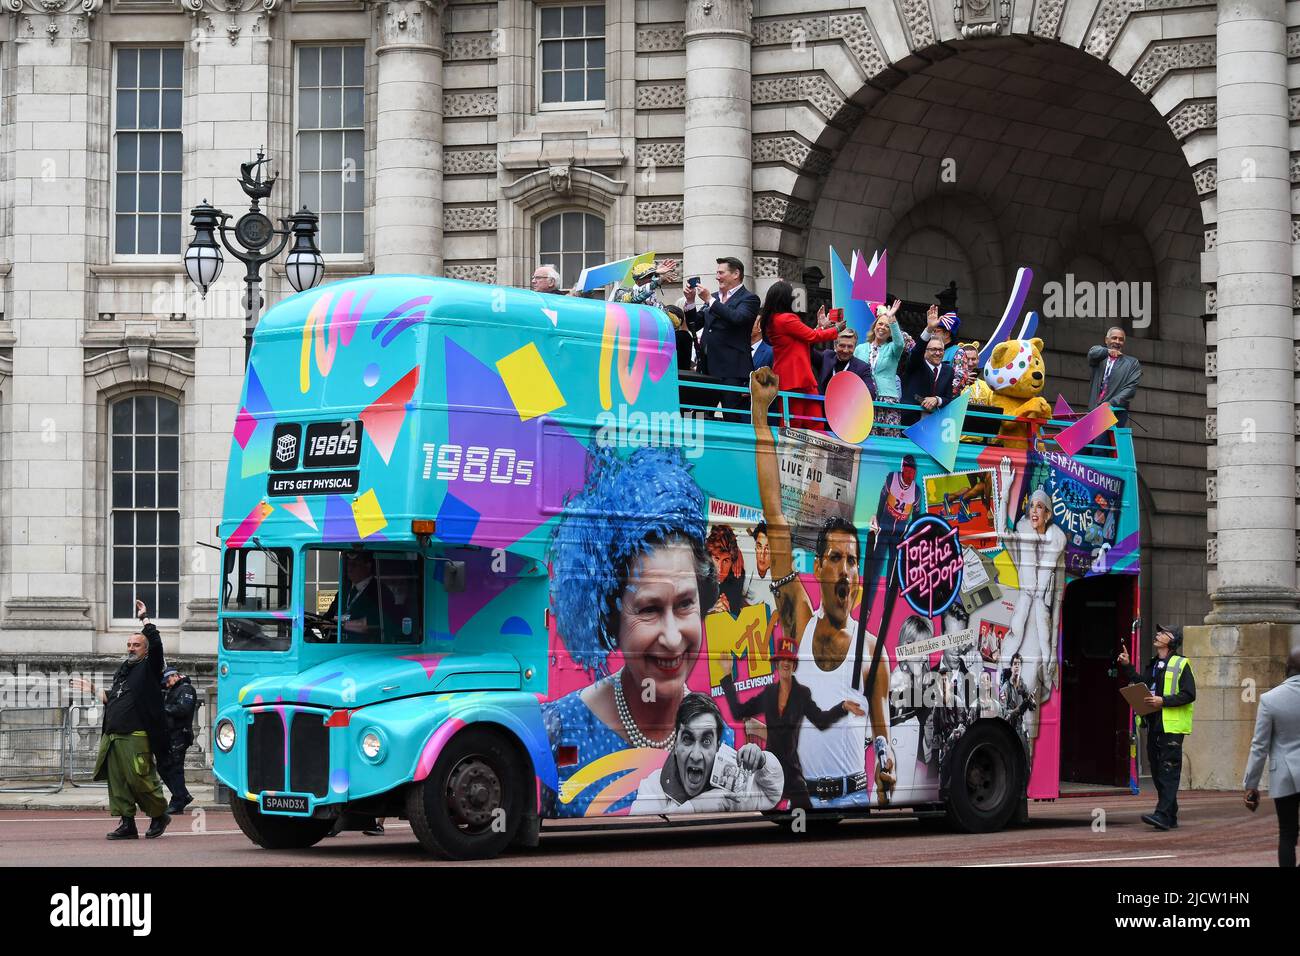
(1145, 141)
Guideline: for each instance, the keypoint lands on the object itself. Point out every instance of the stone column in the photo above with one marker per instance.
(1256, 394)
(408, 148)
(718, 191)
(56, 89)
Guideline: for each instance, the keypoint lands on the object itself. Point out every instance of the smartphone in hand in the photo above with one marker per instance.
(693, 281)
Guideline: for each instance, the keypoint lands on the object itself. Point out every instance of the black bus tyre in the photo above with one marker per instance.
(986, 780)
(277, 833)
(471, 804)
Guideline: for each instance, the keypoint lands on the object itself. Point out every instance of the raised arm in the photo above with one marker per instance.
(792, 601)
(1096, 354)
(156, 659)
(800, 331)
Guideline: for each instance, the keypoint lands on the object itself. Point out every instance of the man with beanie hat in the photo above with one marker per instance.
(1173, 691)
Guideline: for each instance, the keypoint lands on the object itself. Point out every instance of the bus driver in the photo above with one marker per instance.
(361, 612)
(833, 760)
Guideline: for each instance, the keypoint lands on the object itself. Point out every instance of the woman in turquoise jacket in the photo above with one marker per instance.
(883, 351)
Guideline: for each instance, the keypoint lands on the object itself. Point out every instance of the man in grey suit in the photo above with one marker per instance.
(1277, 737)
(1114, 375)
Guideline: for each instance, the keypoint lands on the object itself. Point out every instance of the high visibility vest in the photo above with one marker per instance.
(1176, 720)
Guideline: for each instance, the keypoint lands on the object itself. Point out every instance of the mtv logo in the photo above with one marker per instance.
(286, 448)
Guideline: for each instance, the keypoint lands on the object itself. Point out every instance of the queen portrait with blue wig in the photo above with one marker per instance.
(631, 579)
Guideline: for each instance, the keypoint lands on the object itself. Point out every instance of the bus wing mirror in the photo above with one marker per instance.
(453, 576)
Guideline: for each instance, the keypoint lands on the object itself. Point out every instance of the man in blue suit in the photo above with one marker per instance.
(727, 318)
(927, 379)
(841, 359)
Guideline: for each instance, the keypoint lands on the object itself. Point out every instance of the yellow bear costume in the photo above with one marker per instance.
(1013, 380)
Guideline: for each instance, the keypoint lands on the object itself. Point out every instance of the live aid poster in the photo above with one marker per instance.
(818, 481)
(1086, 506)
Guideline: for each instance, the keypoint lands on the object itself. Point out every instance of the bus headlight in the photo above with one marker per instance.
(225, 735)
(372, 746)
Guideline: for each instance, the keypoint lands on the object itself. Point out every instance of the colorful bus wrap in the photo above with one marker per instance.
(481, 567)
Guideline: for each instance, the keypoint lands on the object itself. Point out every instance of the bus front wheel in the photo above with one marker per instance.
(277, 833)
(986, 781)
(471, 804)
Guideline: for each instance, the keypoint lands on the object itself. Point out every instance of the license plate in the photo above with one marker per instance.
(284, 803)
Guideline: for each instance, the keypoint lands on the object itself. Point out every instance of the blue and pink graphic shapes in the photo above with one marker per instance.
(384, 418)
(938, 434)
(301, 510)
(1015, 304)
(849, 408)
(635, 344)
(399, 320)
(329, 325)
(857, 312)
(485, 513)
(248, 527)
(1087, 428)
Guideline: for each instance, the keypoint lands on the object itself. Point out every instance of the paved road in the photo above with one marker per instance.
(1216, 831)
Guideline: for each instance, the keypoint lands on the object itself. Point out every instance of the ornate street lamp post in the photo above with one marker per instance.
(254, 232)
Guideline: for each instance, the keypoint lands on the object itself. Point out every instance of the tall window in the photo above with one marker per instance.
(571, 241)
(571, 41)
(147, 124)
(145, 517)
(331, 143)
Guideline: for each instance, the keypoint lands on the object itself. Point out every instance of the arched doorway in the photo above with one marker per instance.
(1018, 151)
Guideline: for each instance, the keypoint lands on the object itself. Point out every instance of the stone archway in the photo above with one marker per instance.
(1030, 152)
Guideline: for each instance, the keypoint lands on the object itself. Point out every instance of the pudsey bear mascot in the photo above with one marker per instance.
(1013, 375)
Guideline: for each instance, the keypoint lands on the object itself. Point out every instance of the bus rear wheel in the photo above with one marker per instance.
(277, 833)
(471, 804)
(986, 781)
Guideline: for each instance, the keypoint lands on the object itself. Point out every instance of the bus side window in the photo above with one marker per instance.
(401, 607)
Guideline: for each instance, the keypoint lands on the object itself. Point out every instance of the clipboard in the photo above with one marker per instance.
(1136, 695)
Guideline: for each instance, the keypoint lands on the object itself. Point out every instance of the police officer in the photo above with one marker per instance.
(179, 703)
(1173, 690)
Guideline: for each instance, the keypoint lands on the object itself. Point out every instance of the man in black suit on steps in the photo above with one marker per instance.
(727, 318)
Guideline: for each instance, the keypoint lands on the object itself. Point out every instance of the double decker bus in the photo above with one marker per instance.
(489, 563)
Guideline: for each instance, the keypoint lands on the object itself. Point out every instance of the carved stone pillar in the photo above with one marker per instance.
(408, 124)
(1256, 395)
(718, 191)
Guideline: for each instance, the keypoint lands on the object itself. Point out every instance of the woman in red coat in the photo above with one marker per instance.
(790, 340)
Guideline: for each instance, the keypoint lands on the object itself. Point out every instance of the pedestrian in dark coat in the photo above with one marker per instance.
(134, 733)
(179, 704)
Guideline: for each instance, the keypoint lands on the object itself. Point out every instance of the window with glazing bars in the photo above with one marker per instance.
(144, 522)
(571, 53)
(147, 131)
(571, 241)
(331, 143)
